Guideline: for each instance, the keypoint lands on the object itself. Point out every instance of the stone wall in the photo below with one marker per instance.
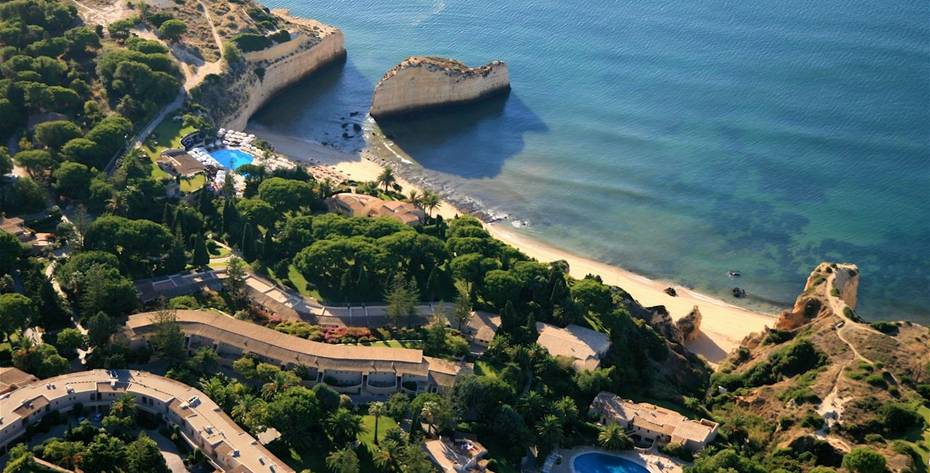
(420, 83)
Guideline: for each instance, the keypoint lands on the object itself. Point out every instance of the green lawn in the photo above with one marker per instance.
(313, 457)
(397, 344)
(192, 184)
(483, 368)
(367, 437)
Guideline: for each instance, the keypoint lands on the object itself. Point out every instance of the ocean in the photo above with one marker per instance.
(680, 140)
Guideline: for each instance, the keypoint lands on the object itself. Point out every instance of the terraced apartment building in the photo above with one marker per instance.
(201, 421)
(357, 370)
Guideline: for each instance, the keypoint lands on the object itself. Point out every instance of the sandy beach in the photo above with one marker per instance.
(723, 327)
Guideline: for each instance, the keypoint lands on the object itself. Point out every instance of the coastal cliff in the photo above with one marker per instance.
(825, 382)
(245, 86)
(423, 82)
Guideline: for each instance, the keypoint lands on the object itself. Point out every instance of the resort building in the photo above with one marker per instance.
(12, 378)
(582, 345)
(361, 205)
(459, 454)
(33, 241)
(650, 423)
(179, 163)
(201, 421)
(350, 369)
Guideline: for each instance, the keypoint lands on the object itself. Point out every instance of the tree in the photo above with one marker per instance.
(401, 299)
(54, 134)
(100, 328)
(105, 289)
(435, 340)
(286, 194)
(105, 453)
(84, 151)
(376, 409)
(37, 162)
(201, 256)
(10, 250)
(428, 413)
(168, 340)
(41, 360)
(172, 29)
(386, 179)
(69, 341)
(144, 456)
(612, 437)
(292, 411)
(430, 201)
(864, 460)
(461, 310)
(500, 287)
(235, 281)
(16, 313)
(343, 461)
(549, 432)
(72, 180)
(343, 426)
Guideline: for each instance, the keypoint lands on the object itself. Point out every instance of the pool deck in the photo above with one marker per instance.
(652, 461)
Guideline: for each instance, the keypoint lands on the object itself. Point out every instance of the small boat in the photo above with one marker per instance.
(734, 274)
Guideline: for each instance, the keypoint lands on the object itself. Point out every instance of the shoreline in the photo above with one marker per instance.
(723, 326)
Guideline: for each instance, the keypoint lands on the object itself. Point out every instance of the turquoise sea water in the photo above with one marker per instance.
(231, 158)
(676, 139)
(601, 463)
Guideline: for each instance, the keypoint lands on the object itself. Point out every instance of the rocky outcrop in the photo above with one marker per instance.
(243, 88)
(424, 82)
(831, 288)
(689, 326)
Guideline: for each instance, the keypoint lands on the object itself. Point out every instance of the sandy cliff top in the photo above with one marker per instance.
(440, 64)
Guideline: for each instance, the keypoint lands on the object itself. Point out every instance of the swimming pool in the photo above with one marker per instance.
(231, 158)
(602, 463)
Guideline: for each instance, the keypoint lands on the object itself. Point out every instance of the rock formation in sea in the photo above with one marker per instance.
(690, 325)
(233, 96)
(424, 82)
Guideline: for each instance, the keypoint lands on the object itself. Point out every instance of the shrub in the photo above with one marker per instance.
(249, 42)
(864, 460)
(899, 418)
(888, 328)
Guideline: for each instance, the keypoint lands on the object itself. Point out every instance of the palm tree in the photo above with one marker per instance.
(343, 461)
(428, 413)
(549, 431)
(415, 197)
(376, 409)
(430, 201)
(386, 178)
(343, 426)
(612, 437)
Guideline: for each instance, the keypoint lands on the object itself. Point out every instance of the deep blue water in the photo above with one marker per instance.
(231, 158)
(676, 139)
(601, 463)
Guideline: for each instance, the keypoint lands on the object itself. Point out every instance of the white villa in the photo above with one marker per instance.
(653, 423)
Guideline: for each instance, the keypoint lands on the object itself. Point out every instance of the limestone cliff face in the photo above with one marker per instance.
(421, 82)
(240, 91)
(830, 288)
(690, 325)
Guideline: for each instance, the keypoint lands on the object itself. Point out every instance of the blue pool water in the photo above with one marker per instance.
(231, 158)
(602, 463)
(678, 139)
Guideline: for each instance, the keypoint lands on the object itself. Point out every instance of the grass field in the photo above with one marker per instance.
(313, 457)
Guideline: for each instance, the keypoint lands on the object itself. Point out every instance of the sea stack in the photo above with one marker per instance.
(424, 82)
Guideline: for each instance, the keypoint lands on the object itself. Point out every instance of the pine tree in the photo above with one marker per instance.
(167, 216)
(268, 246)
(232, 220)
(201, 256)
(508, 317)
(247, 244)
(432, 281)
(177, 259)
